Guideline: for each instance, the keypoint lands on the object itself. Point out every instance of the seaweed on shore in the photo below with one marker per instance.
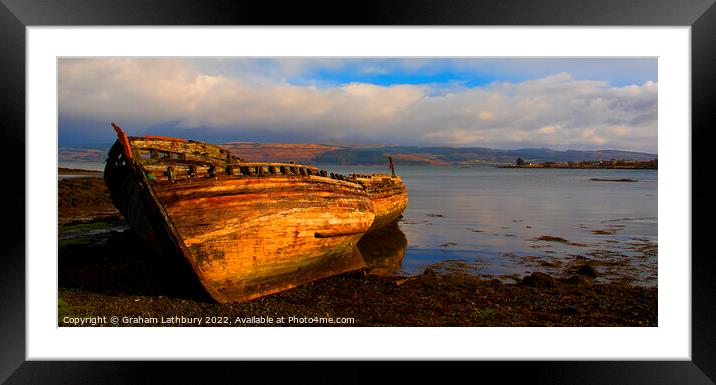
(603, 231)
(613, 180)
(550, 238)
(430, 299)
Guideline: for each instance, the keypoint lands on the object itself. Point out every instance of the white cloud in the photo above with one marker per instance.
(548, 129)
(486, 115)
(552, 111)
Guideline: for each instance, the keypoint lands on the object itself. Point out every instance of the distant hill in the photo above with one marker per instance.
(372, 155)
(301, 153)
(457, 155)
(83, 153)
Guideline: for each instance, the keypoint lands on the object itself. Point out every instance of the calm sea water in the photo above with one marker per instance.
(94, 166)
(489, 221)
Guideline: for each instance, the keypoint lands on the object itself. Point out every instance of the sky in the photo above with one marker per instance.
(507, 103)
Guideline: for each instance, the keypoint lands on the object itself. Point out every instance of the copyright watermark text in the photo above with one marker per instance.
(203, 321)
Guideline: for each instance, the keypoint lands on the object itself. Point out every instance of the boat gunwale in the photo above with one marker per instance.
(315, 178)
(217, 162)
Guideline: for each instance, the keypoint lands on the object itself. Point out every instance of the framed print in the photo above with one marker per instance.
(470, 182)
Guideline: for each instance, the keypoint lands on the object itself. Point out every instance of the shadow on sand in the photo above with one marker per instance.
(117, 263)
(114, 261)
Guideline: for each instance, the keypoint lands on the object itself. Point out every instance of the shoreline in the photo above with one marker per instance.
(78, 171)
(578, 168)
(430, 299)
(105, 271)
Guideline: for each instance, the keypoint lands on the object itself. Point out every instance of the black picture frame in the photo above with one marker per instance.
(15, 15)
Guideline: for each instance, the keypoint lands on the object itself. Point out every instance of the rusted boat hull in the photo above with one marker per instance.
(244, 236)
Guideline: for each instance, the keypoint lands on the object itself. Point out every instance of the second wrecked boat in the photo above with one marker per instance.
(388, 195)
(247, 229)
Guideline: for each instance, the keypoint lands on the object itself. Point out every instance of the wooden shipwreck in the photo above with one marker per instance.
(388, 195)
(247, 229)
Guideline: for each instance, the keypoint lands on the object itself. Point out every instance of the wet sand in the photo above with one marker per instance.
(84, 199)
(105, 271)
(79, 171)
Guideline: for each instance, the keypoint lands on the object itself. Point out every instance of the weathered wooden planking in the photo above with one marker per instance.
(191, 151)
(247, 228)
(173, 169)
(251, 237)
(135, 199)
(247, 237)
(388, 195)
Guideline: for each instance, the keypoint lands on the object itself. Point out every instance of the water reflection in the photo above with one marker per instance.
(384, 249)
(512, 222)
